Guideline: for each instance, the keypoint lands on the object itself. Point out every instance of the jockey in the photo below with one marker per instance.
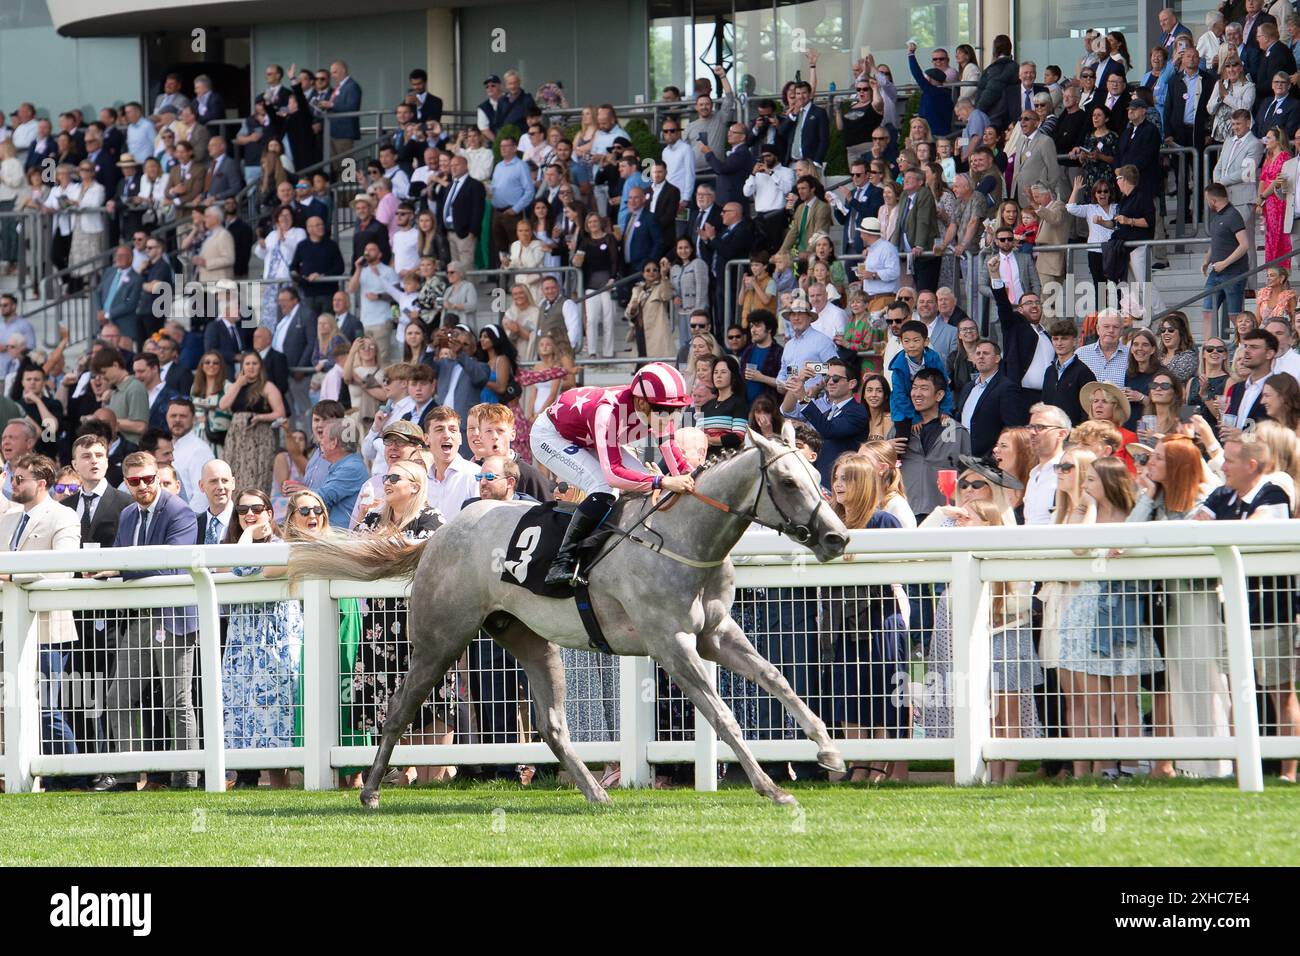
(580, 439)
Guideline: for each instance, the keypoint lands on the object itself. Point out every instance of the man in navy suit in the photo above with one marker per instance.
(807, 128)
(346, 98)
(841, 421)
(157, 645)
(640, 234)
(733, 167)
(427, 106)
(208, 104)
(1259, 348)
(989, 402)
(707, 212)
(733, 240)
(1279, 109)
(148, 372)
(117, 297)
(1029, 349)
(225, 336)
(853, 203)
(1020, 97)
(44, 145)
(1275, 57)
(1139, 145)
(1187, 122)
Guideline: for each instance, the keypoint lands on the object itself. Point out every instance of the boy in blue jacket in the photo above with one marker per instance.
(916, 355)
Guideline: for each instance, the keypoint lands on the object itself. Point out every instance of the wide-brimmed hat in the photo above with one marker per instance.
(407, 431)
(870, 226)
(1113, 392)
(1137, 448)
(127, 160)
(990, 470)
(798, 303)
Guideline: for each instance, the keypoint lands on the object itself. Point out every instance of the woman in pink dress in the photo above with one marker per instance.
(1271, 203)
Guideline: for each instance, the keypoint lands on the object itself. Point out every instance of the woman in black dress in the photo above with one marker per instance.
(383, 656)
(254, 403)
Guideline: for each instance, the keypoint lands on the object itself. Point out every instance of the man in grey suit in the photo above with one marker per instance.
(1035, 161)
(943, 337)
(918, 229)
(294, 337)
(118, 295)
(222, 179)
(1238, 170)
(460, 379)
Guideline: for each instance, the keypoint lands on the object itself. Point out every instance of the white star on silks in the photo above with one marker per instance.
(579, 402)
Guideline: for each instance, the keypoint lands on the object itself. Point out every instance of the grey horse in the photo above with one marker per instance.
(672, 604)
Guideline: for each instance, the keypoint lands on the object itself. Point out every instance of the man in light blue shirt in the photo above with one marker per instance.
(139, 132)
(1108, 356)
(609, 131)
(805, 344)
(633, 180)
(512, 193)
(346, 474)
(11, 323)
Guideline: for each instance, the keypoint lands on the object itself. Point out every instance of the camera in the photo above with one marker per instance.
(818, 368)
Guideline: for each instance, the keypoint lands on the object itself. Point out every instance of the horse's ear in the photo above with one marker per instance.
(761, 442)
(787, 432)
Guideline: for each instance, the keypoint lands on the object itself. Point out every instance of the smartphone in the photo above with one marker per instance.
(385, 408)
(866, 52)
(791, 370)
(1186, 412)
(818, 368)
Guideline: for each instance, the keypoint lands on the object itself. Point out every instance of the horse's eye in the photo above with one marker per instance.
(790, 483)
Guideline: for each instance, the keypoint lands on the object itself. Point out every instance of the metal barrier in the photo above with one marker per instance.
(941, 696)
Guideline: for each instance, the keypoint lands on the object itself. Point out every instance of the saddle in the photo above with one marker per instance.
(534, 545)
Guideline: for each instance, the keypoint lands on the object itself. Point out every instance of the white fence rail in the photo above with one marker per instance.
(966, 563)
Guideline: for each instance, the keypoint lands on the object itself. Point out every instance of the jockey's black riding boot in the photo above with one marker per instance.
(590, 513)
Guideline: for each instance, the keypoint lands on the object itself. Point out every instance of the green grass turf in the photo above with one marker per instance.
(1129, 824)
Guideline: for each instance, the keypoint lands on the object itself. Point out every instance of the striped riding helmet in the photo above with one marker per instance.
(661, 384)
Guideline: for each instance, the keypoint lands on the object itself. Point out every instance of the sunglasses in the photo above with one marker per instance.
(141, 480)
(671, 129)
(1006, 238)
(1167, 328)
(862, 89)
(394, 478)
(487, 476)
(1063, 467)
(880, 139)
(1162, 387)
(1141, 459)
(836, 379)
(977, 484)
(1214, 348)
(249, 509)
(66, 489)
(895, 321)
(1088, 76)
(698, 327)
(308, 510)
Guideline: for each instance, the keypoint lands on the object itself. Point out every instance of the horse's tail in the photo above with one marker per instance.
(366, 559)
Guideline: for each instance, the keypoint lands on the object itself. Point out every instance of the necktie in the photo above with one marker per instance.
(627, 239)
(213, 535)
(18, 532)
(1028, 105)
(142, 533)
(88, 502)
(447, 214)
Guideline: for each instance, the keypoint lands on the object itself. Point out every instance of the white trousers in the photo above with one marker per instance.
(600, 325)
(578, 466)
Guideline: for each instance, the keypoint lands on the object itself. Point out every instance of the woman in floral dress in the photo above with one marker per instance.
(262, 663)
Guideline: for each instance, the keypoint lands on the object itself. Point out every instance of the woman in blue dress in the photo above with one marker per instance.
(869, 657)
(496, 349)
(262, 664)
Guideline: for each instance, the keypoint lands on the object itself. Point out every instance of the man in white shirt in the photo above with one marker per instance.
(190, 453)
(401, 183)
(1108, 356)
(831, 319)
(679, 158)
(1257, 353)
(1049, 426)
(879, 270)
(769, 183)
(452, 478)
(372, 278)
(405, 240)
(24, 130)
(397, 398)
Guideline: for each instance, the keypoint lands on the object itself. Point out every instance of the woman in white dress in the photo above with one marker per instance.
(277, 250)
(526, 252)
(1172, 486)
(89, 234)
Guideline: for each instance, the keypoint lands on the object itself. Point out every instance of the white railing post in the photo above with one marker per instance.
(320, 697)
(1241, 670)
(969, 689)
(706, 742)
(636, 720)
(22, 705)
(214, 734)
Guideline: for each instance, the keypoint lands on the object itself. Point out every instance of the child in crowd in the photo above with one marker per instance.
(944, 157)
(916, 354)
(1027, 232)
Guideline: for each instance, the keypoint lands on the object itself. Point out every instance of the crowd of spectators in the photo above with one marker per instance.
(359, 390)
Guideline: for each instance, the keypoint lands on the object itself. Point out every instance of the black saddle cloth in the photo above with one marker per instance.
(536, 540)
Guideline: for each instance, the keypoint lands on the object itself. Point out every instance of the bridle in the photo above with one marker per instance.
(801, 533)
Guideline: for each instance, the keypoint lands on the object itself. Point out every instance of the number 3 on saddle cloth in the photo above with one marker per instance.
(533, 546)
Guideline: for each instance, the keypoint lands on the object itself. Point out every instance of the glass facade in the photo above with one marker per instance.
(764, 44)
(96, 71)
(1053, 32)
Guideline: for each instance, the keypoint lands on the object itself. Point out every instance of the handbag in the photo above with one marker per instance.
(216, 425)
(1114, 259)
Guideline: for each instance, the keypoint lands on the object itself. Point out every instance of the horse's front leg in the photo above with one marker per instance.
(728, 646)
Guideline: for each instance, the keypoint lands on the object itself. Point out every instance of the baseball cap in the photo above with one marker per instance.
(492, 79)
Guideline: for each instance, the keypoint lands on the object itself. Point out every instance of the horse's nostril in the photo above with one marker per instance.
(836, 541)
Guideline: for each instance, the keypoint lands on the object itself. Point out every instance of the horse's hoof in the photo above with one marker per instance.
(783, 798)
(370, 799)
(831, 760)
(600, 797)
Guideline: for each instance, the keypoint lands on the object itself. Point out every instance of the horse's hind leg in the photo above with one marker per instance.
(729, 647)
(682, 661)
(541, 661)
(431, 658)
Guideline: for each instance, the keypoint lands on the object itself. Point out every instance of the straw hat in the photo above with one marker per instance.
(1116, 394)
